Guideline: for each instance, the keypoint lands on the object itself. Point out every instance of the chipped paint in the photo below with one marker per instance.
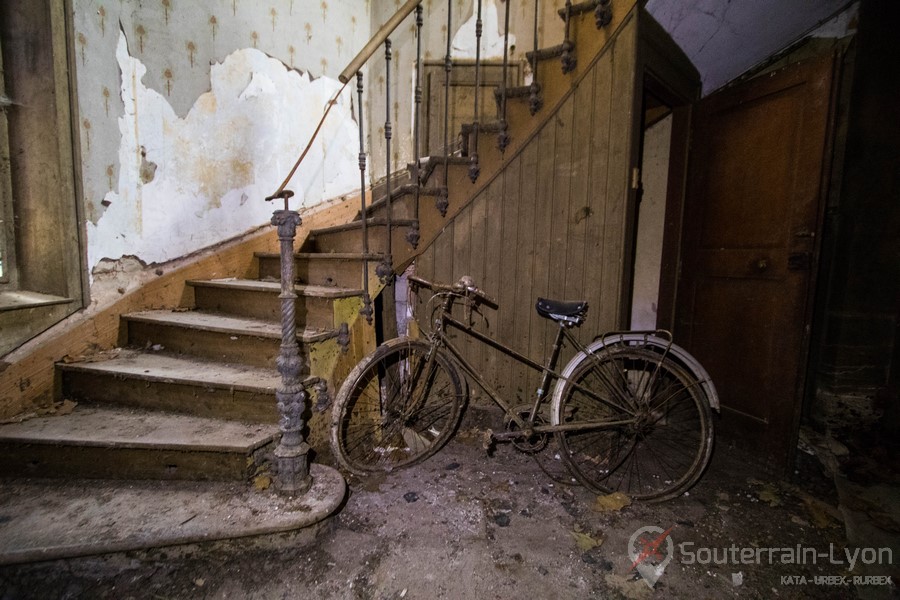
(464, 43)
(235, 143)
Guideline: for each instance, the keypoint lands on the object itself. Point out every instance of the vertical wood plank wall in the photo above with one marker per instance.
(554, 223)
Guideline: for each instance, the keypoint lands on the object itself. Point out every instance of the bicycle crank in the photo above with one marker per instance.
(525, 440)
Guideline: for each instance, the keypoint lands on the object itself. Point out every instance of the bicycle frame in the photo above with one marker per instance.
(439, 339)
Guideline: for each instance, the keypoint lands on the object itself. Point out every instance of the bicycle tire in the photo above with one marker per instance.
(388, 414)
(667, 444)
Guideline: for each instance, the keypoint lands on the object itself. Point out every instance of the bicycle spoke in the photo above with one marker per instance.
(400, 405)
(658, 453)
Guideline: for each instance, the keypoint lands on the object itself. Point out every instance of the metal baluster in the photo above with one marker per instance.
(568, 57)
(366, 310)
(503, 136)
(535, 102)
(442, 202)
(603, 13)
(384, 269)
(412, 235)
(474, 169)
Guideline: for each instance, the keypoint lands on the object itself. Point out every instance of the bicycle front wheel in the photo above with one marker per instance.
(652, 429)
(396, 408)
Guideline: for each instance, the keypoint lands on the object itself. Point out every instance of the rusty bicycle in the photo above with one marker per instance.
(631, 411)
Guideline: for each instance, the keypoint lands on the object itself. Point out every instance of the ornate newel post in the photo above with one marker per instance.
(291, 461)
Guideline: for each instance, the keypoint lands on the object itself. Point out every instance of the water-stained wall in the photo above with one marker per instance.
(190, 113)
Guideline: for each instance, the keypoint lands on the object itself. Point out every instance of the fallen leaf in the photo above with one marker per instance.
(611, 502)
(585, 542)
(262, 482)
(770, 495)
(819, 516)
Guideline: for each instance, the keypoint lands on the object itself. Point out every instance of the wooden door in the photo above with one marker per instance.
(752, 215)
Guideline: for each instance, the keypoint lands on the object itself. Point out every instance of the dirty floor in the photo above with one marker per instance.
(467, 525)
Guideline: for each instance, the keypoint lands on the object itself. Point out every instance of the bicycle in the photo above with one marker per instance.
(631, 411)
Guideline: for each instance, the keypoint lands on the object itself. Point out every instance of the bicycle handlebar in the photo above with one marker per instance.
(464, 287)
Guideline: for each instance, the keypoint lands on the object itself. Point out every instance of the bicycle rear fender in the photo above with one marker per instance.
(644, 340)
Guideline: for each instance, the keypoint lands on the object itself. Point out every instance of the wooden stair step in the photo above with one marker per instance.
(578, 8)
(348, 236)
(228, 324)
(229, 338)
(397, 194)
(550, 52)
(314, 306)
(157, 380)
(483, 127)
(521, 91)
(355, 225)
(428, 164)
(331, 269)
(117, 443)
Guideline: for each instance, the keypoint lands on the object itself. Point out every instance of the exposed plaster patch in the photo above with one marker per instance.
(464, 42)
(187, 183)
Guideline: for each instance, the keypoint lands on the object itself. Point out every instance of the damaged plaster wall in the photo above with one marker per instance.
(191, 112)
(186, 183)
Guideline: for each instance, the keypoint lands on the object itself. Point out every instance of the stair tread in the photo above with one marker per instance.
(358, 225)
(157, 366)
(493, 126)
(550, 52)
(324, 255)
(221, 323)
(578, 8)
(521, 91)
(256, 285)
(127, 428)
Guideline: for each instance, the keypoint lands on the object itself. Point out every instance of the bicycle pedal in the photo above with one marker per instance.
(487, 441)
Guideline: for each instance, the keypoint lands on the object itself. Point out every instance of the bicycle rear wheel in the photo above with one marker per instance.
(654, 430)
(396, 408)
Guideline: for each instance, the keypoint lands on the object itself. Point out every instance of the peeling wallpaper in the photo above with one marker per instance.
(221, 95)
(185, 183)
(190, 112)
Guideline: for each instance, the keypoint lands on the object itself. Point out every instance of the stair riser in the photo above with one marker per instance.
(224, 347)
(325, 271)
(403, 207)
(351, 240)
(311, 311)
(104, 462)
(238, 405)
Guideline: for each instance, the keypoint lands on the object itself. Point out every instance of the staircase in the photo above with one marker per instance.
(191, 394)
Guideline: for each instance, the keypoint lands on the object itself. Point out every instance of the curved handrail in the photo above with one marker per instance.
(355, 65)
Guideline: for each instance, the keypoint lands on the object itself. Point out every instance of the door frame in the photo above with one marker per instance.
(830, 64)
(663, 70)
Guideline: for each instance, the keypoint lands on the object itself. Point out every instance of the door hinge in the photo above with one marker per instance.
(636, 178)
